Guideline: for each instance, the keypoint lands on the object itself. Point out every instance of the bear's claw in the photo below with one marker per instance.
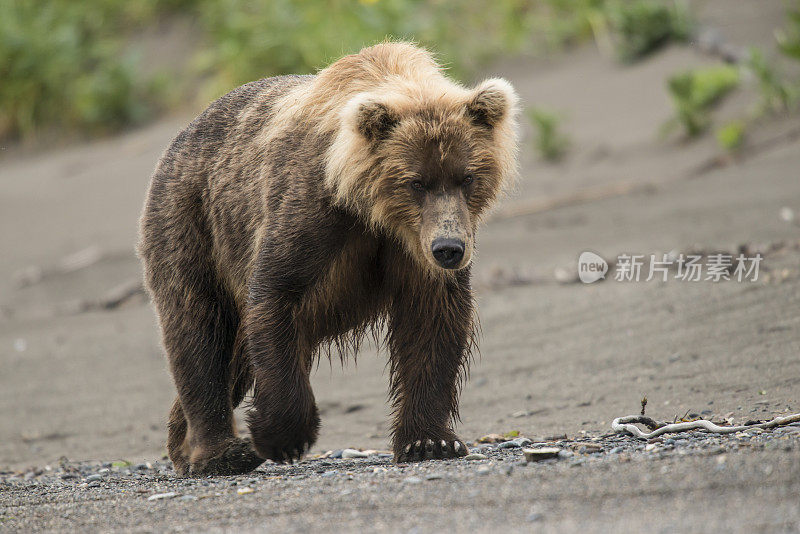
(430, 449)
(289, 455)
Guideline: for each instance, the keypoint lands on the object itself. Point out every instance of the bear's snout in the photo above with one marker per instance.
(447, 251)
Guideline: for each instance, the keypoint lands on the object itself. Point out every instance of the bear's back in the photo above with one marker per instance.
(233, 120)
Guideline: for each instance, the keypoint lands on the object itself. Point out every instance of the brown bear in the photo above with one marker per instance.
(299, 213)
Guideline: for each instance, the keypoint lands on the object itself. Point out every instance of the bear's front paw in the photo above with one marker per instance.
(283, 436)
(430, 449)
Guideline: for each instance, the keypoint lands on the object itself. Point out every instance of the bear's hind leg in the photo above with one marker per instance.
(176, 439)
(199, 330)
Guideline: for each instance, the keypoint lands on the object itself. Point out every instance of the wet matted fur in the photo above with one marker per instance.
(299, 212)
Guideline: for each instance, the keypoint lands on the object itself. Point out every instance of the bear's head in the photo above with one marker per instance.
(423, 160)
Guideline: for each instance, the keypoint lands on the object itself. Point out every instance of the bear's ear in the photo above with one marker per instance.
(374, 120)
(492, 102)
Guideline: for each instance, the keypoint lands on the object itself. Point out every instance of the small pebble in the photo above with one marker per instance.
(245, 490)
(492, 438)
(476, 456)
(509, 445)
(162, 496)
(542, 453)
(535, 516)
(484, 470)
(433, 476)
(92, 478)
(93, 484)
(353, 453)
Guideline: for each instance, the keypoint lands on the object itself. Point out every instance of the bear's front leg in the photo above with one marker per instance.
(284, 421)
(430, 331)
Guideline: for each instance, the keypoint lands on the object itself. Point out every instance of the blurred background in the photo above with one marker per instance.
(648, 126)
(98, 66)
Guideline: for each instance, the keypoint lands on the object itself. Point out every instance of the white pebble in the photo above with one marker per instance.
(162, 496)
(353, 453)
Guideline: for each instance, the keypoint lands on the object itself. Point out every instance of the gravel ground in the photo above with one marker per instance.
(494, 485)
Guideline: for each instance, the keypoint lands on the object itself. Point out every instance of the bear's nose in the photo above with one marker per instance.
(447, 251)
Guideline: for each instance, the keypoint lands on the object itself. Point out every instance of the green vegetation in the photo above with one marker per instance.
(777, 92)
(731, 136)
(644, 26)
(789, 38)
(72, 66)
(61, 65)
(549, 141)
(256, 39)
(555, 24)
(634, 28)
(695, 93)
(67, 65)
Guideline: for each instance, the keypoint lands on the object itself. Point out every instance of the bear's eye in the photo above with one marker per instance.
(418, 186)
(468, 179)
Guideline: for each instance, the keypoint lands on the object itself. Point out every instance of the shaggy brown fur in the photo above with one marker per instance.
(301, 211)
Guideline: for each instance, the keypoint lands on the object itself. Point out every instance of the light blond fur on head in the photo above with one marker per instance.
(404, 80)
